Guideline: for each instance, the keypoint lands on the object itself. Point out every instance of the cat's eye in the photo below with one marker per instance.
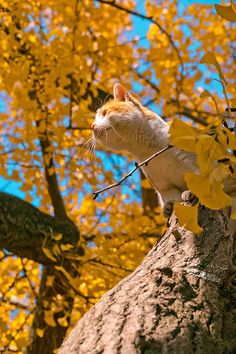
(104, 112)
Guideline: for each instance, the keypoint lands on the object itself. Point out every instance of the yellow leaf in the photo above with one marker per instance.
(66, 247)
(210, 58)
(226, 12)
(32, 38)
(204, 143)
(153, 31)
(57, 237)
(49, 318)
(205, 93)
(208, 189)
(22, 341)
(56, 249)
(40, 332)
(183, 136)
(49, 254)
(145, 184)
(187, 216)
(74, 282)
(50, 279)
(226, 137)
(102, 43)
(62, 321)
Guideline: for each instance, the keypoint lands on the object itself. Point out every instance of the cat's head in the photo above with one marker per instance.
(118, 121)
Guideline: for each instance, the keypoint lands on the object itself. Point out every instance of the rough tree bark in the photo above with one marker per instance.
(23, 229)
(181, 299)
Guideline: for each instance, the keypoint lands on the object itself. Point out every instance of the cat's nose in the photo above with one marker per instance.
(93, 125)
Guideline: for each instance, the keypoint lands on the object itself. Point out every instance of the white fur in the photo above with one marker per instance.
(142, 133)
(142, 138)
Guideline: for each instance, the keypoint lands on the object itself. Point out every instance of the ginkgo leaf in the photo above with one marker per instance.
(49, 318)
(49, 254)
(33, 38)
(57, 237)
(62, 321)
(210, 58)
(187, 217)
(49, 280)
(183, 135)
(66, 247)
(209, 191)
(40, 332)
(73, 281)
(226, 12)
(226, 137)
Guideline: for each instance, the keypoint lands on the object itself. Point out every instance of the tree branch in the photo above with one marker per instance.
(23, 229)
(137, 166)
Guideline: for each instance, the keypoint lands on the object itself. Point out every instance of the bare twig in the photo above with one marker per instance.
(137, 166)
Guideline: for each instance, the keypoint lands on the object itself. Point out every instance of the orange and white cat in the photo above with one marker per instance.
(123, 124)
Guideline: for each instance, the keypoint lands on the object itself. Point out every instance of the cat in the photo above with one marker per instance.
(123, 124)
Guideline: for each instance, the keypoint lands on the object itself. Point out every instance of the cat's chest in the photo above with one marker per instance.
(158, 172)
(166, 171)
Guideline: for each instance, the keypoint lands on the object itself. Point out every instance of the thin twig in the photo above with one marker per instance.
(137, 166)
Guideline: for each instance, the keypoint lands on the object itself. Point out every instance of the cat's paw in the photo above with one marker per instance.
(168, 208)
(188, 196)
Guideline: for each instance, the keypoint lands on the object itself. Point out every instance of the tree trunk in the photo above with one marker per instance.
(53, 335)
(181, 299)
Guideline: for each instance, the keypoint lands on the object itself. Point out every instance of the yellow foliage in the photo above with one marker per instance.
(55, 56)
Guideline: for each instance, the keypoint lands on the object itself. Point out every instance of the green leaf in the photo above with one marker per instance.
(226, 12)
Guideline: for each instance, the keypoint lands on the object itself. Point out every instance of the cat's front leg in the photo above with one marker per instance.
(170, 196)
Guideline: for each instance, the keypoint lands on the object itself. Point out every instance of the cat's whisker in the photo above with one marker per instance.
(90, 147)
(106, 136)
(117, 132)
(132, 136)
(85, 147)
(91, 114)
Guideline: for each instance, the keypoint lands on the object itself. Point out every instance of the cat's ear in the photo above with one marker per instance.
(120, 93)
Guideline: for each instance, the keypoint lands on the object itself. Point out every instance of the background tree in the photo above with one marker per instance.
(59, 60)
